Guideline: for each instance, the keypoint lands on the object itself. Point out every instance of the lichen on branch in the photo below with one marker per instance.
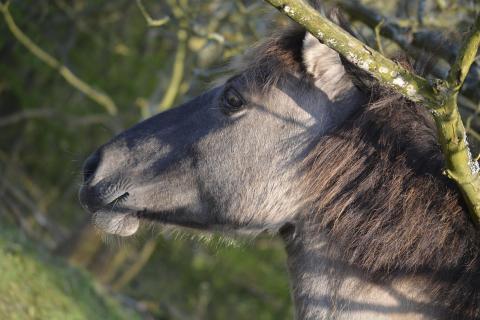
(461, 166)
(386, 71)
(440, 96)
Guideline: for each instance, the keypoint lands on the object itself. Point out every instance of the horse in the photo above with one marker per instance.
(293, 143)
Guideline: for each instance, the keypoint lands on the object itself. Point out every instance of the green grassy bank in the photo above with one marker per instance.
(35, 285)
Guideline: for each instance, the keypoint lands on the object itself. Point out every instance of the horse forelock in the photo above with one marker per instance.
(264, 64)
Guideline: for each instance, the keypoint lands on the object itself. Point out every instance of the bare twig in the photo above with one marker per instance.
(475, 135)
(424, 39)
(150, 21)
(378, 37)
(71, 120)
(25, 114)
(421, 11)
(466, 57)
(175, 81)
(40, 218)
(97, 96)
(357, 11)
(177, 72)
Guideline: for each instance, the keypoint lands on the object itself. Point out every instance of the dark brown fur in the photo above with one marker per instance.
(378, 190)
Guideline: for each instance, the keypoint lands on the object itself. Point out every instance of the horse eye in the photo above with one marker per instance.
(233, 100)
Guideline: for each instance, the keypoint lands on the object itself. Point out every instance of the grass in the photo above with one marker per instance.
(35, 285)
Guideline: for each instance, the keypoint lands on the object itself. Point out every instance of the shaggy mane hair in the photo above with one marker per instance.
(380, 195)
(378, 191)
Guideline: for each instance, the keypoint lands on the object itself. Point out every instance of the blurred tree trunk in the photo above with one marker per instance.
(140, 261)
(108, 261)
(82, 245)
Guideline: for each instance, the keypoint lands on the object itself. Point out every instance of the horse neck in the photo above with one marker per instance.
(325, 287)
(390, 214)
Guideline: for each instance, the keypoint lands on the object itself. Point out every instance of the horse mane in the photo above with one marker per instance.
(378, 192)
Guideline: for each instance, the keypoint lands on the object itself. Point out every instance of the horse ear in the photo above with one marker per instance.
(320, 61)
(326, 64)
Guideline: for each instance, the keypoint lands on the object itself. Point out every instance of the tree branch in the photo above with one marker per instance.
(413, 43)
(409, 40)
(461, 167)
(387, 72)
(25, 114)
(177, 72)
(97, 96)
(440, 96)
(178, 69)
(150, 21)
(458, 72)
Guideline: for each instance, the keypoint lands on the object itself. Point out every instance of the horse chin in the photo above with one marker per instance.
(121, 224)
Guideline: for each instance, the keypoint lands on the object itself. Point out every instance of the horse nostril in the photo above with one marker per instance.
(90, 166)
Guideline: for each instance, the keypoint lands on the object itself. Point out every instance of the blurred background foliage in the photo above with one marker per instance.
(147, 57)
